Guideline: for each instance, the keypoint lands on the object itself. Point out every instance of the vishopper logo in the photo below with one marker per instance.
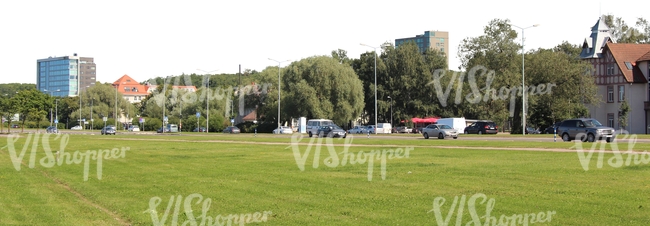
(204, 219)
(617, 160)
(218, 93)
(476, 96)
(487, 219)
(345, 157)
(59, 157)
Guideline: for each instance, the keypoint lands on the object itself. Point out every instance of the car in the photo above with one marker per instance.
(15, 126)
(439, 130)
(313, 125)
(531, 130)
(551, 129)
(371, 129)
(108, 130)
(51, 129)
(199, 129)
(359, 130)
(331, 131)
(160, 130)
(283, 130)
(418, 129)
(585, 129)
(231, 129)
(134, 128)
(403, 129)
(482, 127)
(77, 127)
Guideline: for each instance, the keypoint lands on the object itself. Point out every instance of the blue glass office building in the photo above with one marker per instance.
(63, 76)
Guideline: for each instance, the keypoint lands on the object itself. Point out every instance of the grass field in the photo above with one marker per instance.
(242, 174)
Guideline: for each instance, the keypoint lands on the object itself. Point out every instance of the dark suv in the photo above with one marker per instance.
(482, 127)
(585, 129)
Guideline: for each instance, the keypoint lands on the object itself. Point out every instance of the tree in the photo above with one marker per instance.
(321, 87)
(623, 113)
(567, 97)
(341, 56)
(492, 58)
(623, 33)
(32, 104)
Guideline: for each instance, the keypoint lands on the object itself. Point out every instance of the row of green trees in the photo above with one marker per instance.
(410, 82)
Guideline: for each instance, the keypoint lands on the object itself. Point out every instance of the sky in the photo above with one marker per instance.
(147, 39)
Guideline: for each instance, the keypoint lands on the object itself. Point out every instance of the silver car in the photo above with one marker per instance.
(439, 130)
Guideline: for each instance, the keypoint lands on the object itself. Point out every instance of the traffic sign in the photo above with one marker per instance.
(56, 121)
(166, 119)
(141, 120)
(105, 119)
(198, 114)
(232, 121)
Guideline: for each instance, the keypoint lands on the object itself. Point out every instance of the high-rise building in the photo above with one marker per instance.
(66, 75)
(430, 39)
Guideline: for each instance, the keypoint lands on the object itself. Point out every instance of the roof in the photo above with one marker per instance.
(250, 116)
(631, 53)
(128, 86)
(600, 36)
(645, 57)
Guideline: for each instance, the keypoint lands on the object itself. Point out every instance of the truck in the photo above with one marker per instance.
(384, 128)
(457, 123)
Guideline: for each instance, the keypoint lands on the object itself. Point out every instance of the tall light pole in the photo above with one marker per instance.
(115, 108)
(45, 90)
(375, 48)
(279, 63)
(56, 118)
(391, 111)
(523, 82)
(207, 100)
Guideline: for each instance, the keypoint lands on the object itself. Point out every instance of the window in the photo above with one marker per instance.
(621, 93)
(610, 69)
(610, 94)
(628, 65)
(610, 120)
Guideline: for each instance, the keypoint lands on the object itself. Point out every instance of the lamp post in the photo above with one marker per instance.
(523, 82)
(56, 111)
(391, 111)
(51, 120)
(279, 63)
(375, 48)
(92, 120)
(207, 100)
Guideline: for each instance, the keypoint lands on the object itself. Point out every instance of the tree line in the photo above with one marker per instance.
(487, 86)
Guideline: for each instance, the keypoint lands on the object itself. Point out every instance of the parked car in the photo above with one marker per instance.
(418, 129)
(439, 130)
(52, 129)
(199, 129)
(108, 130)
(15, 126)
(551, 129)
(482, 127)
(531, 130)
(77, 127)
(162, 130)
(331, 131)
(134, 128)
(283, 130)
(403, 129)
(359, 130)
(371, 128)
(231, 129)
(585, 129)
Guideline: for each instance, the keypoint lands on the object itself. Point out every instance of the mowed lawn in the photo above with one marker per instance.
(243, 174)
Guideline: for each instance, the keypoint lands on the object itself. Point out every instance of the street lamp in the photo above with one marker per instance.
(45, 90)
(375, 48)
(279, 63)
(56, 118)
(523, 84)
(207, 100)
(391, 111)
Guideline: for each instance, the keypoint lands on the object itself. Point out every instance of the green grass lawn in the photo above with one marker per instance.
(245, 174)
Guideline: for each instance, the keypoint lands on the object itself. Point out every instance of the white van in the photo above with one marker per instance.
(384, 128)
(457, 123)
(314, 124)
